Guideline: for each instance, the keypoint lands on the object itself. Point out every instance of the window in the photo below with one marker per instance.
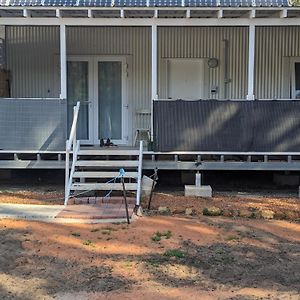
(185, 79)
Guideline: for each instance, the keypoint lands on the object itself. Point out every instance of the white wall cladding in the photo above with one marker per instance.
(132, 42)
(32, 57)
(34, 63)
(275, 46)
(208, 42)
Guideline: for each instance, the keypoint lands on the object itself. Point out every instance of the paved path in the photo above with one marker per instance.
(47, 213)
(29, 211)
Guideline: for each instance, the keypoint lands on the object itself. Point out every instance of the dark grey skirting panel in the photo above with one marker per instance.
(33, 124)
(238, 126)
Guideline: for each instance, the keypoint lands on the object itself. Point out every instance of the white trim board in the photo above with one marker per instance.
(19, 21)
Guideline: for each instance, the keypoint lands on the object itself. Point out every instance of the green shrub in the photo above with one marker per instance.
(88, 243)
(212, 211)
(174, 253)
(157, 236)
(167, 234)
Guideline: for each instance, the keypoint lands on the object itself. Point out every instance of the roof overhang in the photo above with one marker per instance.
(144, 16)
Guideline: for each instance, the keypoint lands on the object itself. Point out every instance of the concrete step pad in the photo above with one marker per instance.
(29, 211)
(104, 211)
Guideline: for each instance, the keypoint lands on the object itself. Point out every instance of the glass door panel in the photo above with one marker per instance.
(110, 100)
(78, 90)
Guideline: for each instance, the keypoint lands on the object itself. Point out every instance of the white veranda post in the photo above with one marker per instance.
(154, 92)
(63, 63)
(251, 61)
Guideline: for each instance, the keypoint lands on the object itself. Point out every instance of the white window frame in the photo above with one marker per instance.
(86, 58)
(206, 82)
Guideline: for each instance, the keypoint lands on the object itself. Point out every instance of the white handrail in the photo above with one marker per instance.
(72, 137)
(139, 183)
(71, 144)
(68, 188)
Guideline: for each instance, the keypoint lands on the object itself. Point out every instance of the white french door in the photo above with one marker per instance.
(79, 88)
(99, 84)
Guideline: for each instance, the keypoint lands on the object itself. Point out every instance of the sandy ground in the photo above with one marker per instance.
(195, 258)
(28, 194)
(283, 207)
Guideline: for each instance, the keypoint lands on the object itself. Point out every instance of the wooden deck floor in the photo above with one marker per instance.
(177, 160)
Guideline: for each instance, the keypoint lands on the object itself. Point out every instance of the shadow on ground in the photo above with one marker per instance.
(29, 274)
(253, 258)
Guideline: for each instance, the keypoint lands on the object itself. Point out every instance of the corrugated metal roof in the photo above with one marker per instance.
(145, 3)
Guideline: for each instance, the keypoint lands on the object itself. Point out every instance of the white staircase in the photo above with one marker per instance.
(99, 170)
(95, 170)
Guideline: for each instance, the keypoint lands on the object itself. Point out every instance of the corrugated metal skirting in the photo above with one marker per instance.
(32, 124)
(238, 126)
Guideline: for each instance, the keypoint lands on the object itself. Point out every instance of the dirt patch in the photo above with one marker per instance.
(11, 248)
(31, 195)
(231, 206)
(195, 258)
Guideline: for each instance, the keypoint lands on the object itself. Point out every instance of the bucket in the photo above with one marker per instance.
(147, 183)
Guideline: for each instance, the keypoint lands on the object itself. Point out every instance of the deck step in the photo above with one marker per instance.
(103, 186)
(112, 152)
(104, 174)
(107, 163)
